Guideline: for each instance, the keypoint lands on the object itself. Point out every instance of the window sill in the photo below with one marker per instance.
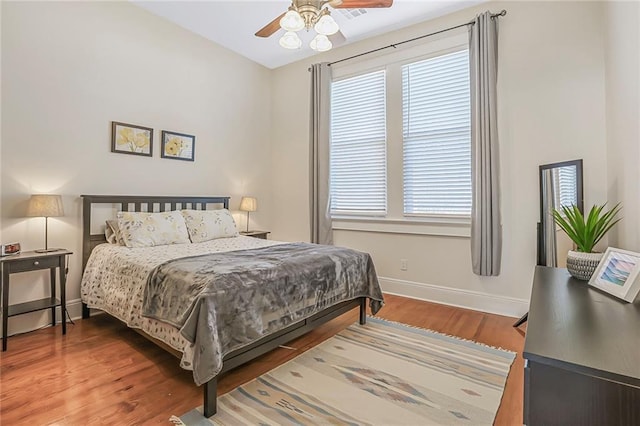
(443, 227)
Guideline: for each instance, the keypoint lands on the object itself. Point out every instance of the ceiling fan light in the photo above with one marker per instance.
(321, 43)
(290, 40)
(326, 25)
(292, 21)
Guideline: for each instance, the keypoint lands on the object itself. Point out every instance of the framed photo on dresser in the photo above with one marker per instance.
(618, 274)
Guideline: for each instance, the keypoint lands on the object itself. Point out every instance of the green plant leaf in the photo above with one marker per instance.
(566, 225)
(607, 222)
(586, 232)
(591, 227)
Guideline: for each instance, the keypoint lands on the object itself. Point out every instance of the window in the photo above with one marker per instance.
(401, 141)
(358, 171)
(437, 136)
(565, 179)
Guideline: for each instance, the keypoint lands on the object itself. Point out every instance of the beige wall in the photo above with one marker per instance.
(551, 108)
(69, 69)
(622, 61)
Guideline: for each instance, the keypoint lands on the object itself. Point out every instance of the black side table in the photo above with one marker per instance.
(32, 261)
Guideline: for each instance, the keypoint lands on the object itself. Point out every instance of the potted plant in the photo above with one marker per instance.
(585, 233)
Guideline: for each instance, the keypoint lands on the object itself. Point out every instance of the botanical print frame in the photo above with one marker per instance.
(178, 146)
(131, 139)
(617, 274)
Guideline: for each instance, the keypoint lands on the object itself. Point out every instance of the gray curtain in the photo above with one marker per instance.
(486, 224)
(321, 231)
(550, 190)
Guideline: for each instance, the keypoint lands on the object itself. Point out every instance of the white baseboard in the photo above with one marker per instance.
(40, 319)
(491, 303)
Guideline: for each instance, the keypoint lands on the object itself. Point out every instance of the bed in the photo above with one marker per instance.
(115, 277)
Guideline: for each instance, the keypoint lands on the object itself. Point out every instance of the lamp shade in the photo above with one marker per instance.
(321, 43)
(326, 25)
(248, 204)
(292, 21)
(290, 40)
(45, 205)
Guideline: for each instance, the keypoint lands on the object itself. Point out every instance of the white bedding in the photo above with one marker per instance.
(115, 276)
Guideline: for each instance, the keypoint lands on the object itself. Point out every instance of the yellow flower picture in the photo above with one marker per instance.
(131, 139)
(178, 146)
(173, 146)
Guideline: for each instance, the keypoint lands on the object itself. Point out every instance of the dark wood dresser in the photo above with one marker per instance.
(582, 354)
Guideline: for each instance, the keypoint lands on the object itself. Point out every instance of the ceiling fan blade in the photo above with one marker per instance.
(360, 4)
(270, 28)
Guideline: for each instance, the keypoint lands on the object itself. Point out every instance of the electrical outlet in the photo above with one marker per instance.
(404, 264)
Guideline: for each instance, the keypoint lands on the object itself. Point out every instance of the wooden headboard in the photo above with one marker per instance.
(134, 203)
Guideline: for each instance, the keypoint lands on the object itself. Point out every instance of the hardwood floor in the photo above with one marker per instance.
(103, 373)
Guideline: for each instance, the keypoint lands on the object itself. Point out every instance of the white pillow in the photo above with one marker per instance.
(152, 229)
(112, 233)
(205, 225)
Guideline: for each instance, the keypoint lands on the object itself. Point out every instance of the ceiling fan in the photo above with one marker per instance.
(307, 14)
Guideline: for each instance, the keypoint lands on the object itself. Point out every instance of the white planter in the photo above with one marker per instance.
(582, 265)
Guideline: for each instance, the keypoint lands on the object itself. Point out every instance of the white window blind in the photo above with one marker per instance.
(566, 182)
(358, 172)
(437, 136)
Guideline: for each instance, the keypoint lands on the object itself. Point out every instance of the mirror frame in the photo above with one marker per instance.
(542, 255)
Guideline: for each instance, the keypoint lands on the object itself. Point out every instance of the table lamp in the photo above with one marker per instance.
(248, 204)
(45, 205)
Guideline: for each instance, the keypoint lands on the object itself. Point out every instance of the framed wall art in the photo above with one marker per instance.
(131, 139)
(178, 146)
(617, 274)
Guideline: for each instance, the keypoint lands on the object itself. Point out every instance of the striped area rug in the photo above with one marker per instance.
(383, 373)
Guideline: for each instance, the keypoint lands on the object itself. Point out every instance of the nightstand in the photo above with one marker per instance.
(32, 261)
(256, 234)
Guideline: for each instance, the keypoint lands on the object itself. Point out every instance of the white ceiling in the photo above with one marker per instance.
(233, 24)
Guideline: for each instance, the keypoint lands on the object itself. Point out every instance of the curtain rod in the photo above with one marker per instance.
(394, 45)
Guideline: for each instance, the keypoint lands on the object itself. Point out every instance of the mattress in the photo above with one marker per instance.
(115, 277)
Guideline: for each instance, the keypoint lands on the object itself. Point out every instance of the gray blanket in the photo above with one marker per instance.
(224, 301)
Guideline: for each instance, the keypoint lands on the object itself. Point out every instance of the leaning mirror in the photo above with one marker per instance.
(560, 185)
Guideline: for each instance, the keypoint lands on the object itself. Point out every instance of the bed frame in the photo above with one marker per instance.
(233, 359)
